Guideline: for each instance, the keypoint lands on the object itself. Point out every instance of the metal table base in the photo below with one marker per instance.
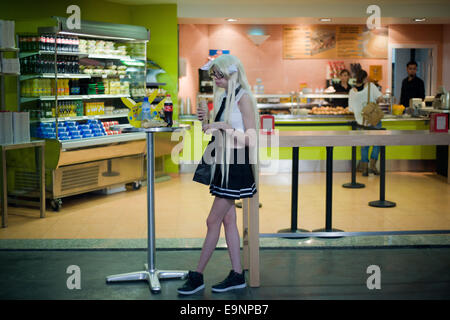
(150, 274)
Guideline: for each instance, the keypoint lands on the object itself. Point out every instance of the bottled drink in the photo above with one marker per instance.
(168, 110)
(76, 44)
(146, 110)
(50, 43)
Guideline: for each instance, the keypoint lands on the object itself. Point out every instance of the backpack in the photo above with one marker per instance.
(371, 113)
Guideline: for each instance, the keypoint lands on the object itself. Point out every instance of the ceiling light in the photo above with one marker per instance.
(325, 20)
(231, 20)
(419, 19)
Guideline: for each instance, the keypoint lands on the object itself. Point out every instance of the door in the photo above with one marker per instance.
(424, 60)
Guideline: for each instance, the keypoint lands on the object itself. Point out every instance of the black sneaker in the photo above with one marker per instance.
(233, 281)
(193, 284)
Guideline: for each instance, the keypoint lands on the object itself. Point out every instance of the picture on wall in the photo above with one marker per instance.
(334, 42)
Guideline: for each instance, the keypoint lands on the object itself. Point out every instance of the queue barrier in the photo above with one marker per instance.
(330, 139)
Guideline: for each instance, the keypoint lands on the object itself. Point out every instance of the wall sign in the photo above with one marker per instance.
(334, 42)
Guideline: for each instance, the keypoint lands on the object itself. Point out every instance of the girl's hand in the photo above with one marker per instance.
(216, 126)
(205, 126)
(201, 113)
(220, 125)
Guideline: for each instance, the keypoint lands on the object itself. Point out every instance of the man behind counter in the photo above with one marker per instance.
(412, 86)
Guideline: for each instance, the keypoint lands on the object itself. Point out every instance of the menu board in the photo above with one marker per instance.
(334, 42)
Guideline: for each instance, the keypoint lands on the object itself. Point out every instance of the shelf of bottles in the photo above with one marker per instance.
(91, 77)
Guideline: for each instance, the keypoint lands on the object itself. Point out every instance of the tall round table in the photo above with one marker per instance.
(151, 274)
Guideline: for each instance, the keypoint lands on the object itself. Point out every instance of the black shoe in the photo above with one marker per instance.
(233, 281)
(193, 284)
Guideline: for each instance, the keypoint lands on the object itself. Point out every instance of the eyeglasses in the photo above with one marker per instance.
(216, 75)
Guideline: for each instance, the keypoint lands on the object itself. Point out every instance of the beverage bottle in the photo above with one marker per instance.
(168, 110)
(41, 42)
(77, 44)
(51, 43)
(77, 65)
(66, 87)
(146, 110)
(25, 43)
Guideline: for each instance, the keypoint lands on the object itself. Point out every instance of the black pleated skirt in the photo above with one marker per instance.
(241, 182)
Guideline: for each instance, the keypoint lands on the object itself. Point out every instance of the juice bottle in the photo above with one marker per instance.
(66, 87)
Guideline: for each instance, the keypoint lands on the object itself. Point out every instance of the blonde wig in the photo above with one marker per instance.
(231, 67)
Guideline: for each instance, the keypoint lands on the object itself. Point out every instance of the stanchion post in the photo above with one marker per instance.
(294, 197)
(382, 203)
(353, 184)
(329, 195)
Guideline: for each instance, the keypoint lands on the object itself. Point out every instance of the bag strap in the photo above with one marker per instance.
(222, 106)
(368, 92)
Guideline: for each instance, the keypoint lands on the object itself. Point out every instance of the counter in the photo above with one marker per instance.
(414, 158)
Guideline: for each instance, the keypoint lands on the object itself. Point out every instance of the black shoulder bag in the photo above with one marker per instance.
(203, 172)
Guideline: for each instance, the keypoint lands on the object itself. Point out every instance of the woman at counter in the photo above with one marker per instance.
(357, 100)
(342, 87)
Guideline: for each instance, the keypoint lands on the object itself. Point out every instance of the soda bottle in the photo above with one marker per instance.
(168, 110)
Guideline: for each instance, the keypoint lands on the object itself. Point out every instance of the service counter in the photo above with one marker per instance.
(405, 158)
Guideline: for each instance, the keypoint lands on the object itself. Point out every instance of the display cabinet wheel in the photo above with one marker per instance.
(56, 204)
(136, 185)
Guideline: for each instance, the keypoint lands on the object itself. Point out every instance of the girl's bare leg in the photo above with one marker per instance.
(218, 211)
(233, 240)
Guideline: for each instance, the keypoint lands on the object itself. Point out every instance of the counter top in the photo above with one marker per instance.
(90, 142)
(361, 138)
(339, 118)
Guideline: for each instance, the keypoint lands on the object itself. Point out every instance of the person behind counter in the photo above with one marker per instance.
(412, 86)
(357, 100)
(342, 87)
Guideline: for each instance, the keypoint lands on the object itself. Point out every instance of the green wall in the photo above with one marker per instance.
(160, 19)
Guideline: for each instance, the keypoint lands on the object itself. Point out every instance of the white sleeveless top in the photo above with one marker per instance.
(236, 120)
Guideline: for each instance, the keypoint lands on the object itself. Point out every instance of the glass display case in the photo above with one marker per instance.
(72, 84)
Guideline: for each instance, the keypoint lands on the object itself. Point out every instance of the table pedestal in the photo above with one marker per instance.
(150, 274)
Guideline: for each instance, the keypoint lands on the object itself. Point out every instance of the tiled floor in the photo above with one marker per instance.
(423, 203)
(285, 274)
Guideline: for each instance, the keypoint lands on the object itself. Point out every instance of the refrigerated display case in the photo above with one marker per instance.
(72, 85)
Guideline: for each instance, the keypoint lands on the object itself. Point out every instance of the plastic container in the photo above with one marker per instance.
(75, 132)
(48, 130)
(46, 125)
(88, 135)
(86, 131)
(70, 124)
(76, 136)
(63, 134)
(83, 126)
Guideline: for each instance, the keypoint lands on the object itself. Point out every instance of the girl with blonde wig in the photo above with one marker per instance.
(234, 173)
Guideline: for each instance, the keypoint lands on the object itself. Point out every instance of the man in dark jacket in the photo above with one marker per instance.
(412, 86)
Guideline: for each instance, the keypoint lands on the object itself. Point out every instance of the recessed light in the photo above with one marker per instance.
(325, 19)
(231, 20)
(419, 19)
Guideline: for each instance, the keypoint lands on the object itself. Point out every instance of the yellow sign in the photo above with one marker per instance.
(134, 115)
(376, 72)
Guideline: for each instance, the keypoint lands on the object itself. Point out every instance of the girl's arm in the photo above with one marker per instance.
(242, 138)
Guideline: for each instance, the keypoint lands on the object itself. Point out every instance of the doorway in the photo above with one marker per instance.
(426, 68)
